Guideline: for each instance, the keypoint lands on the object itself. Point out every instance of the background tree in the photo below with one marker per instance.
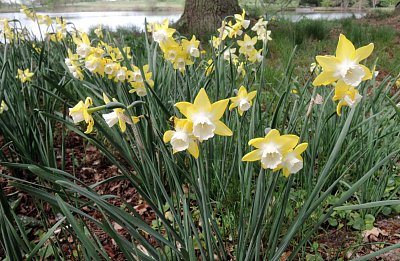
(204, 16)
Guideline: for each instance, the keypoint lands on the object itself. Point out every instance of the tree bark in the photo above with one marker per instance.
(201, 17)
(397, 9)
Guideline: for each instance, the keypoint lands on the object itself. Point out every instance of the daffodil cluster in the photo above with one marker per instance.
(244, 50)
(276, 152)
(81, 112)
(345, 72)
(106, 61)
(179, 52)
(202, 123)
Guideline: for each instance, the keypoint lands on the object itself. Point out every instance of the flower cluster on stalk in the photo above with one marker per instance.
(345, 72)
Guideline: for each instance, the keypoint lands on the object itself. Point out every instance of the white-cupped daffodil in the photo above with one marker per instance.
(83, 48)
(247, 45)
(292, 162)
(80, 112)
(346, 95)
(243, 100)
(118, 116)
(162, 32)
(271, 148)
(182, 137)
(205, 116)
(345, 65)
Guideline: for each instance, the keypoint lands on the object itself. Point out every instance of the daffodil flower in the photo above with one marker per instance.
(192, 46)
(80, 113)
(24, 75)
(83, 48)
(292, 161)
(161, 32)
(271, 148)
(243, 100)
(247, 45)
(3, 107)
(118, 116)
(182, 138)
(138, 83)
(345, 65)
(99, 31)
(240, 20)
(205, 116)
(346, 95)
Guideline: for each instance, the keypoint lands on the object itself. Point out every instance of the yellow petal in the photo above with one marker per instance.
(285, 172)
(222, 129)
(339, 107)
(193, 149)
(252, 156)
(105, 98)
(251, 95)
(183, 107)
(364, 52)
(328, 63)
(122, 124)
(345, 48)
(89, 128)
(218, 108)
(324, 78)
(272, 135)
(288, 142)
(340, 90)
(368, 73)
(300, 148)
(168, 136)
(257, 142)
(202, 101)
(232, 106)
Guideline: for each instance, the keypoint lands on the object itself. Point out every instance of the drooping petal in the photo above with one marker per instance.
(324, 78)
(89, 128)
(193, 149)
(105, 98)
(218, 108)
(363, 52)
(222, 129)
(368, 73)
(340, 90)
(168, 136)
(233, 105)
(339, 107)
(252, 156)
(122, 124)
(345, 48)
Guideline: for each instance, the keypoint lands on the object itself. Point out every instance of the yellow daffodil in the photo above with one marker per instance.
(240, 19)
(72, 62)
(161, 32)
(398, 83)
(346, 95)
(28, 12)
(271, 148)
(83, 48)
(191, 47)
(3, 107)
(44, 19)
(229, 54)
(292, 161)
(80, 113)
(117, 116)
(205, 116)
(216, 41)
(209, 67)
(24, 75)
(99, 31)
(182, 138)
(243, 100)
(345, 65)
(137, 82)
(247, 45)
(241, 69)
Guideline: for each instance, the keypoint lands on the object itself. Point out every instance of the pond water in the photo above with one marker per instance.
(86, 20)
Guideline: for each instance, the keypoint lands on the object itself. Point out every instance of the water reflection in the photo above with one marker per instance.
(86, 20)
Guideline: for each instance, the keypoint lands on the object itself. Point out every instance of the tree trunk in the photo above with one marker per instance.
(397, 9)
(201, 17)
